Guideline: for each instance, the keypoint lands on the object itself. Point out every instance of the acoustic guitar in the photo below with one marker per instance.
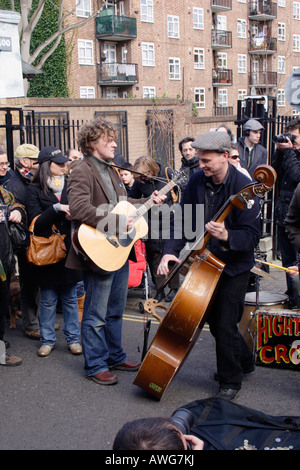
(110, 252)
(180, 327)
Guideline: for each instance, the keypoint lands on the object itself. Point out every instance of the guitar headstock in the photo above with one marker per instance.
(179, 178)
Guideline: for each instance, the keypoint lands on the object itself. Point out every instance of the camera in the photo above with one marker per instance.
(282, 138)
(183, 420)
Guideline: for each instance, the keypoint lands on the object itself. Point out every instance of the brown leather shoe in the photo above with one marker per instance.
(128, 365)
(104, 378)
(33, 334)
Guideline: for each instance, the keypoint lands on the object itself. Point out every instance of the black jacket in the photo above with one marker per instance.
(243, 225)
(287, 166)
(292, 220)
(17, 185)
(40, 203)
(156, 233)
(259, 156)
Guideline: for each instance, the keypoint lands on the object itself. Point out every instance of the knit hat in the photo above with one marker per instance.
(213, 141)
(27, 151)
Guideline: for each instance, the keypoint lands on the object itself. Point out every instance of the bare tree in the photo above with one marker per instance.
(29, 20)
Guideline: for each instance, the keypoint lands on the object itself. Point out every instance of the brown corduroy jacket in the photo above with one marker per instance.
(87, 195)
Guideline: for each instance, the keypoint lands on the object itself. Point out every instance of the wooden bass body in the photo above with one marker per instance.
(181, 326)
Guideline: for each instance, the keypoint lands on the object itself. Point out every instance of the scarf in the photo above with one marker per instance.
(56, 184)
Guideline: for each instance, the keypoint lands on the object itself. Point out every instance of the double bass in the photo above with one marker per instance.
(180, 327)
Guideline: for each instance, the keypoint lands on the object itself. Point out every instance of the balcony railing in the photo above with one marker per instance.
(263, 45)
(221, 39)
(222, 77)
(109, 73)
(262, 10)
(115, 28)
(220, 5)
(263, 79)
(222, 111)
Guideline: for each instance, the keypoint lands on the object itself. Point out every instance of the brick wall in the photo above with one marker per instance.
(80, 109)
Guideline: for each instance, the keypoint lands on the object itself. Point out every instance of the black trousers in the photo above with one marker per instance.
(233, 354)
(153, 260)
(4, 305)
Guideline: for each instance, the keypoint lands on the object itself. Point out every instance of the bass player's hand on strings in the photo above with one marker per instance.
(217, 230)
(163, 267)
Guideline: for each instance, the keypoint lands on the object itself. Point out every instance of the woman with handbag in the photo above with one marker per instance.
(47, 206)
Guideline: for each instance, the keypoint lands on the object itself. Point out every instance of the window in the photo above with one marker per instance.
(241, 94)
(148, 58)
(87, 92)
(241, 28)
(198, 19)
(222, 60)
(83, 8)
(281, 3)
(199, 97)
(280, 97)
(222, 98)
(281, 64)
(173, 26)
(296, 10)
(198, 58)
(296, 42)
(112, 93)
(174, 68)
(221, 23)
(242, 63)
(147, 11)
(85, 52)
(281, 31)
(149, 92)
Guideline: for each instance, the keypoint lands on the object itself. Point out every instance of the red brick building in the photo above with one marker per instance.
(211, 52)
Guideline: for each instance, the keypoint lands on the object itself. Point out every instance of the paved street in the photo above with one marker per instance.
(47, 403)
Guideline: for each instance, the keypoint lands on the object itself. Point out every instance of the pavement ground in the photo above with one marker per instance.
(48, 404)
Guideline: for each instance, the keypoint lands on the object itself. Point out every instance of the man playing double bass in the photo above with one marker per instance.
(232, 242)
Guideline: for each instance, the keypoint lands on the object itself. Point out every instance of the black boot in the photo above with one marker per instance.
(160, 295)
(171, 295)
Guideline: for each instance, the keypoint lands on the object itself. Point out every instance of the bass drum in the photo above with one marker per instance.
(246, 326)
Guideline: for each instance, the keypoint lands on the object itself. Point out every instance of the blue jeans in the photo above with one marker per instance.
(101, 326)
(49, 298)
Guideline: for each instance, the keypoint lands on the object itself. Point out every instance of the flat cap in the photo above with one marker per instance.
(213, 141)
(27, 151)
(252, 125)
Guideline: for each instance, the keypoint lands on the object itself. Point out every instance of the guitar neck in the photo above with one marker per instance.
(150, 203)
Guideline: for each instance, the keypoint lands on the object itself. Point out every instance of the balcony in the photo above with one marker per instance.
(221, 39)
(263, 45)
(262, 10)
(115, 28)
(220, 5)
(222, 77)
(113, 73)
(222, 111)
(263, 79)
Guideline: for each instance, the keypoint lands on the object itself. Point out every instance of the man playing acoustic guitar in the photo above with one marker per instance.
(232, 241)
(94, 188)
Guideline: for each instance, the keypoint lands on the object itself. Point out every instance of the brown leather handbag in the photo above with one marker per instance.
(43, 251)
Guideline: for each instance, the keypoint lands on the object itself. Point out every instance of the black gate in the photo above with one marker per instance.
(52, 128)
